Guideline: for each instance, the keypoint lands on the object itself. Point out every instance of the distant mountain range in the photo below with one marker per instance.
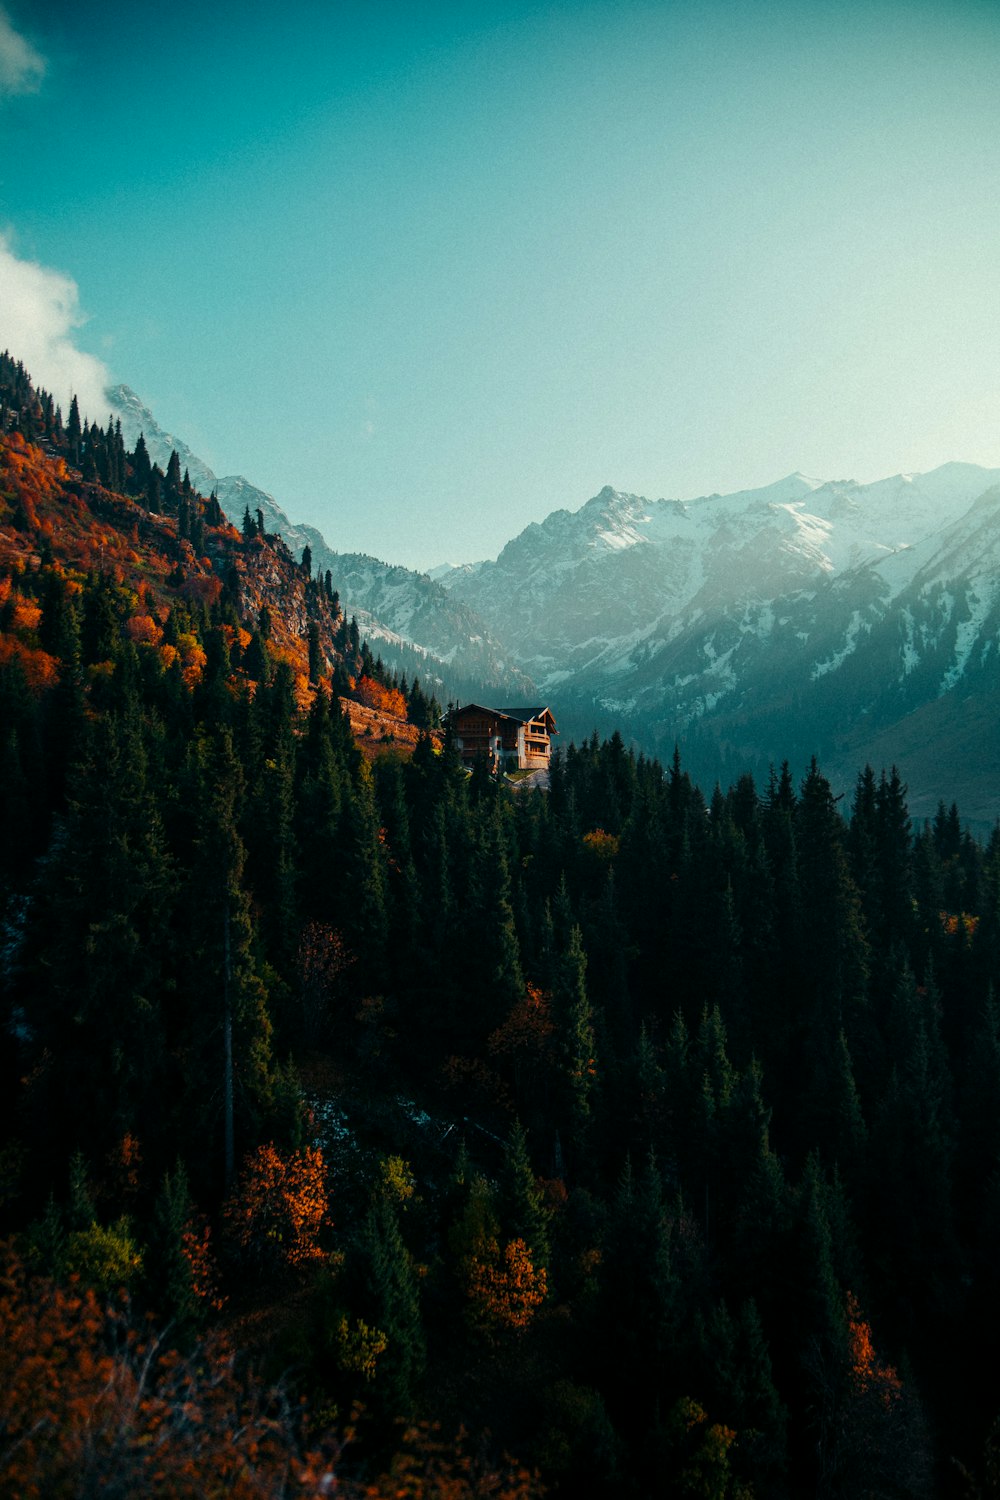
(852, 621)
(855, 622)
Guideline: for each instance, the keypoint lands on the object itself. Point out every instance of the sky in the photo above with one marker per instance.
(429, 271)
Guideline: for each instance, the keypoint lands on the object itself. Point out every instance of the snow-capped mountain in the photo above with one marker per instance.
(412, 620)
(805, 616)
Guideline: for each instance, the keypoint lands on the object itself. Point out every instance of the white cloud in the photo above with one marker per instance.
(21, 67)
(39, 309)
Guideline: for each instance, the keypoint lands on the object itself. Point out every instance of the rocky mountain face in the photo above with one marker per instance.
(846, 620)
(417, 625)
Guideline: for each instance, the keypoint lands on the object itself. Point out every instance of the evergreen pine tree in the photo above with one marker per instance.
(168, 1268)
(141, 467)
(172, 481)
(519, 1204)
(74, 432)
(576, 1043)
(390, 1300)
(228, 1027)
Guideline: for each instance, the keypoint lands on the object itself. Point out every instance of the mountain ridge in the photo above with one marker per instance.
(412, 618)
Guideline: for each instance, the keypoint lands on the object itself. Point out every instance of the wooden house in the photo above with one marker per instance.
(509, 738)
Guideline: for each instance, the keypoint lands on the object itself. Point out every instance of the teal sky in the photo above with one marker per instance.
(427, 272)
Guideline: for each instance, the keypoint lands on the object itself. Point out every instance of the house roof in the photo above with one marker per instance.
(479, 708)
(519, 715)
(524, 714)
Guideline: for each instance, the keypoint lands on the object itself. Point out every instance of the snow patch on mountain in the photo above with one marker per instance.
(967, 634)
(851, 635)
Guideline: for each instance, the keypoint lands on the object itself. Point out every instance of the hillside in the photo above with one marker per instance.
(196, 599)
(88, 538)
(376, 731)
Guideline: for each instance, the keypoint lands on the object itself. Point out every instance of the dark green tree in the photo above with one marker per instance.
(74, 432)
(519, 1204)
(389, 1300)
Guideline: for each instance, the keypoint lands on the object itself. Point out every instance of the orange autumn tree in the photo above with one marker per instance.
(41, 670)
(322, 961)
(868, 1377)
(19, 640)
(529, 1025)
(874, 1438)
(279, 1208)
(525, 1042)
(196, 1248)
(603, 847)
(959, 924)
(386, 700)
(504, 1287)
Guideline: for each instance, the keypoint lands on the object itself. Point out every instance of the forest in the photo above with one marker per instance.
(369, 1127)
